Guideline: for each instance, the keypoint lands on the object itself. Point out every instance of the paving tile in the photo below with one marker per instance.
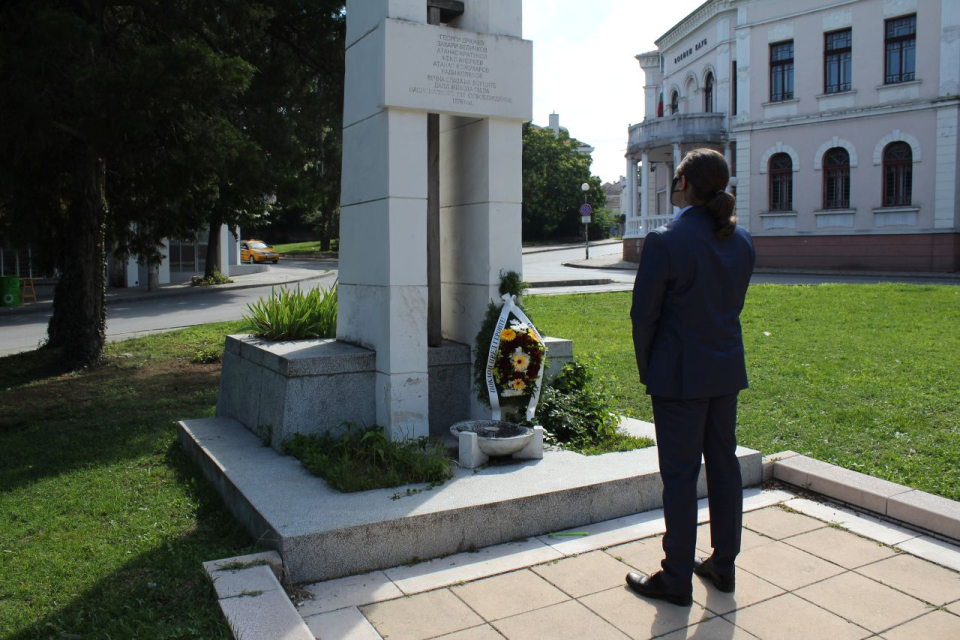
(486, 632)
(936, 625)
(271, 558)
(864, 601)
(585, 574)
(787, 617)
(841, 547)
(936, 551)
(754, 499)
(421, 616)
(345, 624)
(916, 577)
(267, 616)
(750, 590)
(509, 594)
(611, 532)
(713, 629)
(569, 620)
(779, 524)
(229, 584)
(463, 567)
(644, 556)
(860, 524)
(641, 618)
(354, 591)
(785, 566)
(748, 539)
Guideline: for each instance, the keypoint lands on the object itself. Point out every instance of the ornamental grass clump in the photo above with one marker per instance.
(364, 459)
(291, 314)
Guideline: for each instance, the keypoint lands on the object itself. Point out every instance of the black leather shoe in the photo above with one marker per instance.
(705, 569)
(654, 588)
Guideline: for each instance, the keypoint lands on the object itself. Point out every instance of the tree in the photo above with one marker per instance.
(128, 121)
(553, 172)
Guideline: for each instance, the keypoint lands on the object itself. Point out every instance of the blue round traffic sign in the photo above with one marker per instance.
(586, 210)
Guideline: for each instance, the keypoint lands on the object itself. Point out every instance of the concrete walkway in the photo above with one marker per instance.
(807, 570)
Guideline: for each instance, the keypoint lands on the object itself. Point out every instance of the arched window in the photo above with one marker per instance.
(708, 93)
(781, 183)
(897, 175)
(836, 179)
(675, 103)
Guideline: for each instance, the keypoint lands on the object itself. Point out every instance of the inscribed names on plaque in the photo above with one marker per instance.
(447, 70)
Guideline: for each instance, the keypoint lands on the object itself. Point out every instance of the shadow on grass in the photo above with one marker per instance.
(104, 415)
(163, 593)
(30, 366)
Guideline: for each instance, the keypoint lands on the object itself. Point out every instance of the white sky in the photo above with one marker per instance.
(584, 67)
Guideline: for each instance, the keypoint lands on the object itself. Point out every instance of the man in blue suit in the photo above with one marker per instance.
(687, 298)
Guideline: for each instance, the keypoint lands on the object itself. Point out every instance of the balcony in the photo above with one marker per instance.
(660, 134)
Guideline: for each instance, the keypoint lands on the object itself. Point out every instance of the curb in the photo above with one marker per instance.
(567, 247)
(615, 265)
(47, 305)
(253, 601)
(570, 283)
(916, 509)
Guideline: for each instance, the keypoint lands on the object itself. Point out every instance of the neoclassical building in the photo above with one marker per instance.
(838, 118)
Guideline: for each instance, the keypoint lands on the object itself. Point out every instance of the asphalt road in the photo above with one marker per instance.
(127, 319)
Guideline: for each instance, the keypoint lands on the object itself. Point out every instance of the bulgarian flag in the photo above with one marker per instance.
(660, 104)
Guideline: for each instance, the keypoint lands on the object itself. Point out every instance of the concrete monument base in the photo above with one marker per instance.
(278, 389)
(322, 533)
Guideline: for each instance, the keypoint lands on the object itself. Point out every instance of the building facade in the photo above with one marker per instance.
(839, 119)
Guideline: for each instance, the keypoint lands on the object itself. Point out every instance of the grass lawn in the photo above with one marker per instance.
(308, 249)
(863, 376)
(105, 522)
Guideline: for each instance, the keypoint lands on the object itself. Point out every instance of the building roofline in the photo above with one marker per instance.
(705, 11)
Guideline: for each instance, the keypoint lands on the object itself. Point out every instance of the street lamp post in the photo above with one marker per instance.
(585, 187)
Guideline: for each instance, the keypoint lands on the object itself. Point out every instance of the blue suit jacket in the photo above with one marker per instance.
(687, 298)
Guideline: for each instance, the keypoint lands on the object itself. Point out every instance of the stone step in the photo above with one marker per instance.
(322, 533)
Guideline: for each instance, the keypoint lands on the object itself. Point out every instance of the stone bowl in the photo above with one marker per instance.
(495, 437)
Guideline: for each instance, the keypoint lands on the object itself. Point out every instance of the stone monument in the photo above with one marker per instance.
(436, 95)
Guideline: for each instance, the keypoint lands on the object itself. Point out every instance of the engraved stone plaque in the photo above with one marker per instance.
(452, 71)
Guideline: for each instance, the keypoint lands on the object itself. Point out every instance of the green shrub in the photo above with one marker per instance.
(291, 314)
(363, 459)
(216, 278)
(209, 355)
(574, 412)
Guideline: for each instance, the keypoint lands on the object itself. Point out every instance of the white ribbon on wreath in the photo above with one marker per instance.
(510, 308)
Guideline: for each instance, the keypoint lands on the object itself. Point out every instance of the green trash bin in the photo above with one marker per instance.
(9, 291)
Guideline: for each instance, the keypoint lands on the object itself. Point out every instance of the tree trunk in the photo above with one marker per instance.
(78, 324)
(325, 226)
(213, 244)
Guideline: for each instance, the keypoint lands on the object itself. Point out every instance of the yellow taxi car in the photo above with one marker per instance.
(257, 251)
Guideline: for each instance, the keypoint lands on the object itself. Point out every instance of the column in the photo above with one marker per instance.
(728, 156)
(631, 199)
(645, 185)
(383, 227)
(676, 163)
(481, 190)
(164, 267)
